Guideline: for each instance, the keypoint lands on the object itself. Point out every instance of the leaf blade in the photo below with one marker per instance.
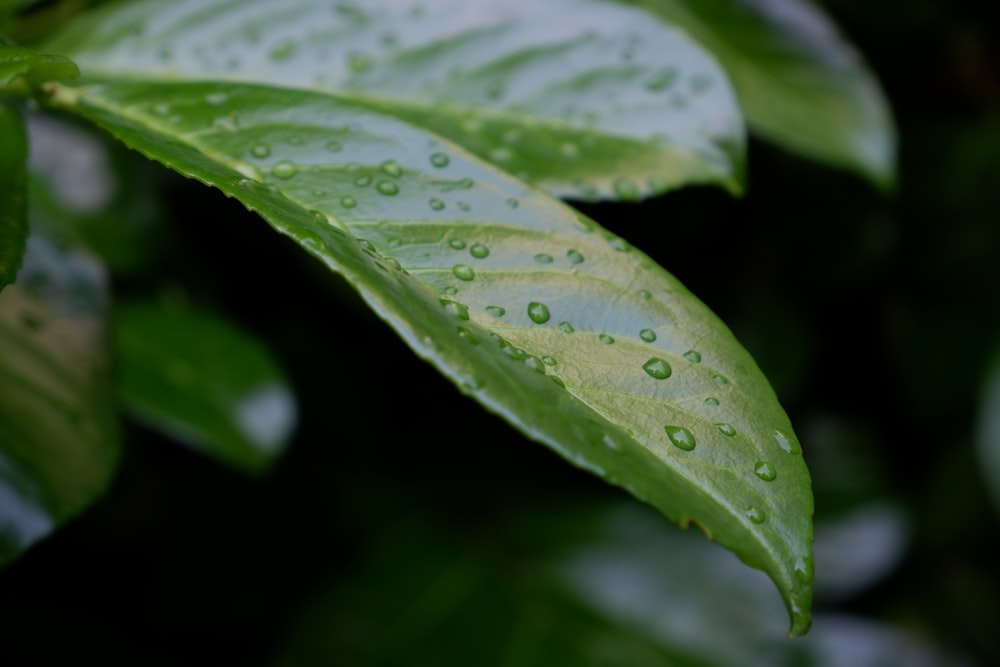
(800, 83)
(368, 210)
(608, 105)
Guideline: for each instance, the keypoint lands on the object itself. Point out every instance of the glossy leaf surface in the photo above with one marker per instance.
(13, 186)
(18, 61)
(575, 337)
(203, 381)
(799, 82)
(608, 104)
(58, 428)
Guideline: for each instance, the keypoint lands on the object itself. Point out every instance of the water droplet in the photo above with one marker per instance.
(161, 109)
(611, 444)
(538, 312)
(618, 243)
(535, 364)
(391, 168)
(466, 183)
(496, 311)
(657, 368)
(569, 150)
(680, 437)
(366, 245)
(644, 294)
(574, 256)
(549, 361)
(348, 202)
(462, 206)
(662, 80)
(606, 339)
(457, 244)
(463, 272)
(557, 381)
(693, 356)
(363, 181)
(215, 99)
(359, 62)
(754, 514)
(626, 189)
(459, 310)
(647, 335)
(714, 402)
(765, 471)
(283, 51)
(719, 380)
(803, 568)
(333, 146)
(260, 150)
(726, 429)
(436, 203)
(387, 188)
(566, 327)
(543, 258)
(785, 444)
(284, 169)
(468, 335)
(450, 290)
(513, 203)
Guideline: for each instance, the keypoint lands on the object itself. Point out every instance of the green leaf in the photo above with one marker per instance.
(13, 184)
(576, 338)
(18, 61)
(58, 429)
(608, 104)
(204, 381)
(799, 82)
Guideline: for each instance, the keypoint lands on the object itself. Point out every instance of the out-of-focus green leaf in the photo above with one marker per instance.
(586, 99)
(583, 587)
(58, 428)
(800, 84)
(18, 61)
(13, 184)
(204, 381)
(575, 337)
(988, 432)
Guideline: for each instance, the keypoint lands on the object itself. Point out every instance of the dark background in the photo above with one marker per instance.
(874, 316)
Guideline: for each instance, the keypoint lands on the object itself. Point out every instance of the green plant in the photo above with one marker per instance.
(418, 149)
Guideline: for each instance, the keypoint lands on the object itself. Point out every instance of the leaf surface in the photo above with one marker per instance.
(608, 104)
(568, 332)
(13, 185)
(18, 61)
(204, 381)
(58, 428)
(799, 82)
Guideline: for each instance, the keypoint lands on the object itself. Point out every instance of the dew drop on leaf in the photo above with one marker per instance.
(765, 471)
(359, 62)
(538, 312)
(284, 169)
(435, 203)
(719, 380)
(392, 168)
(216, 99)
(512, 202)
(260, 150)
(459, 310)
(363, 181)
(457, 244)
(784, 442)
(348, 202)
(463, 272)
(501, 154)
(662, 80)
(574, 256)
(647, 335)
(387, 188)
(569, 150)
(680, 437)
(606, 339)
(618, 243)
(549, 361)
(543, 258)
(496, 311)
(479, 251)
(726, 429)
(657, 368)
(714, 402)
(693, 356)
(566, 327)
(803, 568)
(754, 514)
(333, 146)
(644, 295)
(611, 444)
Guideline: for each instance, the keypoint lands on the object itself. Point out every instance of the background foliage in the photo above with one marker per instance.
(875, 319)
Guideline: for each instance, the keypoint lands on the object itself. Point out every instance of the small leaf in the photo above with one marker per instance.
(607, 105)
(527, 306)
(203, 381)
(58, 428)
(800, 83)
(18, 61)
(13, 183)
